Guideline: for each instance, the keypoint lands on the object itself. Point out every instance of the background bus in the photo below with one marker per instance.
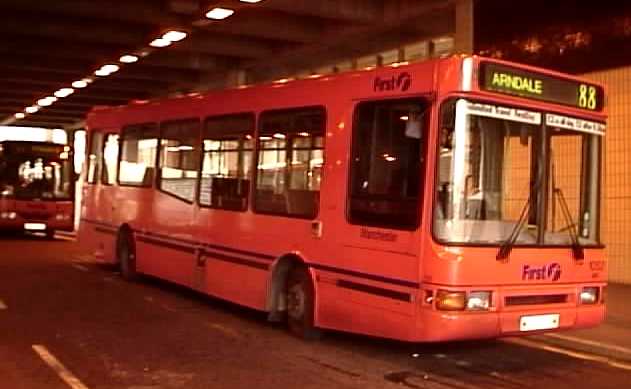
(36, 187)
(449, 199)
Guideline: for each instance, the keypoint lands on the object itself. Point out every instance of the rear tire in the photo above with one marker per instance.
(126, 255)
(301, 304)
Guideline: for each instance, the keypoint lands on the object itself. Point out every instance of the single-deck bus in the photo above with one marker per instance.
(36, 187)
(456, 198)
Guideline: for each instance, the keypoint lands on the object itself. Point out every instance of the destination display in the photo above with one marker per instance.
(43, 150)
(508, 80)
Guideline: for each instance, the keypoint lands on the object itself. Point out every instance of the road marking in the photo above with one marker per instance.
(591, 343)
(225, 330)
(80, 267)
(570, 353)
(58, 367)
(3, 306)
(84, 258)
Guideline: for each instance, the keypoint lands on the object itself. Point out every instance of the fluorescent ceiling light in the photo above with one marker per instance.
(160, 42)
(79, 84)
(250, 1)
(45, 102)
(174, 36)
(128, 58)
(219, 13)
(32, 109)
(64, 92)
(110, 68)
(19, 115)
(101, 73)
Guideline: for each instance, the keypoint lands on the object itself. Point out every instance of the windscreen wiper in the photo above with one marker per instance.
(577, 249)
(507, 245)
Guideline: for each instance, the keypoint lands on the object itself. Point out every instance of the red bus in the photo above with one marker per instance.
(451, 199)
(36, 187)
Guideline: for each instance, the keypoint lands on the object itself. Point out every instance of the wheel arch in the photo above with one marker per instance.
(276, 303)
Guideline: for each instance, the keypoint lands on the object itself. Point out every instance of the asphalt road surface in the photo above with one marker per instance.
(68, 323)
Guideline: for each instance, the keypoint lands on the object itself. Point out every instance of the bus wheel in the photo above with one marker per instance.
(126, 256)
(300, 304)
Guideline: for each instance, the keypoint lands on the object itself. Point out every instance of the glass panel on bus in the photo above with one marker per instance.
(500, 175)
(138, 155)
(110, 159)
(386, 174)
(179, 163)
(290, 160)
(487, 173)
(227, 162)
(574, 180)
(35, 170)
(95, 158)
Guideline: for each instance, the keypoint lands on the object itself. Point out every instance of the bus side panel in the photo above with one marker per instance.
(356, 311)
(242, 284)
(165, 246)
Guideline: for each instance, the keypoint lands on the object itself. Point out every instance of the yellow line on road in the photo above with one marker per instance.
(591, 343)
(80, 267)
(58, 367)
(570, 353)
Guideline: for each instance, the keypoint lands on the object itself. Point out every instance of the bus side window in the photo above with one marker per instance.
(227, 162)
(289, 162)
(179, 158)
(386, 166)
(139, 147)
(110, 159)
(95, 157)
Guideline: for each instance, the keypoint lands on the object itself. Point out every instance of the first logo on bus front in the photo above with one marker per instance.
(550, 272)
(400, 82)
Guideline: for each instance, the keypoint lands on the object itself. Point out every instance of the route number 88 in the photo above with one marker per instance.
(587, 96)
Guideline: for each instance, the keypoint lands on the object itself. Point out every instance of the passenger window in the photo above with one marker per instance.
(95, 158)
(386, 174)
(290, 159)
(179, 161)
(227, 162)
(110, 159)
(138, 155)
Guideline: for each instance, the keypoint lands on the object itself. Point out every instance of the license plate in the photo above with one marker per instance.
(539, 322)
(35, 226)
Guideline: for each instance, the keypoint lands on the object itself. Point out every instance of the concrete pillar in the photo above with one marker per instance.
(464, 27)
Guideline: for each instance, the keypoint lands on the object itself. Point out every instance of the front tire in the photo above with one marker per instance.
(301, 304)
(126, 255)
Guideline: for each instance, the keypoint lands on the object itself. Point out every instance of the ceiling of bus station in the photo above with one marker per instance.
(47, 45)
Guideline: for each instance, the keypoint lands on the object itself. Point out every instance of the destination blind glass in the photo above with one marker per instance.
(523, 83)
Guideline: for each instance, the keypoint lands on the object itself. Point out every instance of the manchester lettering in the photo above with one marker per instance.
(517, 83)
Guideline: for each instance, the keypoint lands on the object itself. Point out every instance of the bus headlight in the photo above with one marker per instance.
(450, 301)
(589, 295)
(8, 215)
(479, 301)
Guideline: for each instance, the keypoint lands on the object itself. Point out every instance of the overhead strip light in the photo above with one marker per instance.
(160, 42)
(219, 13)
(79, 84)
(174, 35)
(250, 1)
(19, 115)
(64, 92)
(32, 109)
(128, 58)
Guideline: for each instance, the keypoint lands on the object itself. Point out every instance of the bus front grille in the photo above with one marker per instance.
(536, 299)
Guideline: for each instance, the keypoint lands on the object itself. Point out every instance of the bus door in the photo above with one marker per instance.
(386, 174)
